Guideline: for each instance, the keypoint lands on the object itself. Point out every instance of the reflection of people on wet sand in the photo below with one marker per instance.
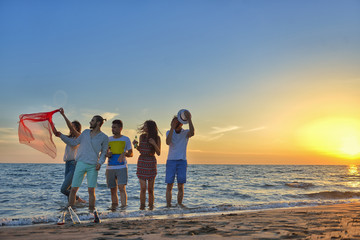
(116, 170)
(69, 156)
(177, 138)
(92, 142)
(150, 144)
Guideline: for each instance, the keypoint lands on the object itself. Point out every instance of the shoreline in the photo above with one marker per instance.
(157, 214)
(319, 222)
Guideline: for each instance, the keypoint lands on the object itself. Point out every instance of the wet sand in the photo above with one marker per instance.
(340, 221)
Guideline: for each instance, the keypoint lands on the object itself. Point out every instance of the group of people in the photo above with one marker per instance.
(87, 151)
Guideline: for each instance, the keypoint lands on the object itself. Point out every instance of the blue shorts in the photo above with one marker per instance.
(79, 174)
(178, 168)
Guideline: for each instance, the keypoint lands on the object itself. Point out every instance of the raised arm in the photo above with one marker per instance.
(56, 132)
(191, 126)
(69, 124)
(71, 141)
(171, 132)
(156, 145)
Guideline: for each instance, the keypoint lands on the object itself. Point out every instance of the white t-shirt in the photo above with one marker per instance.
(177, 149)
(117, 147)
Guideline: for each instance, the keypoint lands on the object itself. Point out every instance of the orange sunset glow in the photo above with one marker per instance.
(266, 82)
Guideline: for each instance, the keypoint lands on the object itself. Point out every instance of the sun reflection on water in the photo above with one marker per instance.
(353, 172)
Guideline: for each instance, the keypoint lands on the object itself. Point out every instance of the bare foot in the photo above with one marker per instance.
(114, 206)
(79, 200)
(123, 207)
(181, 205)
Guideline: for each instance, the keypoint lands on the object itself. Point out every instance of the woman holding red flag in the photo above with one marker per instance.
(69, 156)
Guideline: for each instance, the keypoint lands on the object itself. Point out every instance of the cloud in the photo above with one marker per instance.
(108, 115)
(194, 150)
(218, 130)
(204, 138)
(7, 130)
(215, 137)
(255, 129)
(130, 132)
(8, 135)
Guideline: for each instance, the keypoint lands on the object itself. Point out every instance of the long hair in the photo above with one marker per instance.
(77, 126)
(152, 130)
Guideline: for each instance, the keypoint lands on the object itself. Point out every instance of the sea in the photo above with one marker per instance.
(30, 193)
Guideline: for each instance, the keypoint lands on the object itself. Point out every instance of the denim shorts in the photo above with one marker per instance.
(79, 174)
(176, 168)
(116, 177)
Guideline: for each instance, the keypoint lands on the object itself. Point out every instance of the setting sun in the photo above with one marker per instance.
(351, 145)
(333, 136)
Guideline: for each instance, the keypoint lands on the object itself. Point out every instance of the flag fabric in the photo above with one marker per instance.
(35, 130)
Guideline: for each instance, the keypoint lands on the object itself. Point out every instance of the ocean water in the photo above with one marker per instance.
(30, 193)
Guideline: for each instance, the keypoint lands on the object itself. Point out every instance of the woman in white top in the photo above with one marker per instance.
(69, 156)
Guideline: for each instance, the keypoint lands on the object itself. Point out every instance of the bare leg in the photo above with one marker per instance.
(114, 197)
(142, 193)
(123, 195)
(72, 196)
(169, 194)
(180, 195)
(151, 193)
(92, 198)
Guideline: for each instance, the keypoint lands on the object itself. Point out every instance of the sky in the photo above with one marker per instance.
(267, 82)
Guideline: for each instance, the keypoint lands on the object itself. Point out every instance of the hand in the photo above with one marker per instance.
(61, 110)
(98, 166)
(56, 133)
(187, 115)
(174, 123)
(108, 154)
(152, 141)
(121, 157)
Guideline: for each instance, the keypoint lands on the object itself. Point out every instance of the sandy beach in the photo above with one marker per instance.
(341, 221)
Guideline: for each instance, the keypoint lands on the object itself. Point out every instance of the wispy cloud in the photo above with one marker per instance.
(204, 138)
(215, 137)
(194, 150)
(255, 129)
(7, 130)
(217, 130)
(8, 135)
(108, 115)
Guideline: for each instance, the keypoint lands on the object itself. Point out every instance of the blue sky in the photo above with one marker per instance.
(252, 67)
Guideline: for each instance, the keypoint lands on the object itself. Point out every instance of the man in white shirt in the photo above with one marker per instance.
(116, 171)
(92, 142)
(176, 165)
